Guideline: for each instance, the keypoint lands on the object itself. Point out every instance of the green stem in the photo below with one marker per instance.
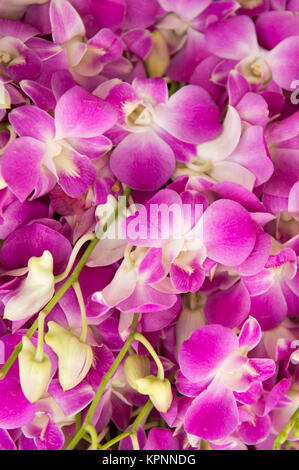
(73, 277)
(133, 428)
(115, 440)
(93, 434)
(104, 382)
(78, 292)
(147, 344)
(75, 251)
(284, 433)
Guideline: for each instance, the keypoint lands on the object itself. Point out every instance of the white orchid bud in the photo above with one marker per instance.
(35, 291)
(74, 356)
(34, 374)
(158, 390)
(136, 367)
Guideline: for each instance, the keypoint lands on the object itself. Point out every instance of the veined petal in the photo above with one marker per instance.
(143, 161)
(21, 164)
(213, 414)
(283, 62)
(233, 38)
(32, 122)
(65, 21)
(203, 353)
(190, 115)
(81, 114)
(229, 232)
(221, 147)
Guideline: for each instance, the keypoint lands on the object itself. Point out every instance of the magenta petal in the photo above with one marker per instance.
(202, 354)
(256, 431)
(229, 307)
(252, 153)
(15, 410)
(20, 165)
(74, 400)
(234, 38)
(143, 161)
(51, 438)
(187, 10)
(65, 21)
(229, 232)
(42, 96)
(213, 414)
(81, 114)
(269, 308)
(161, 439)
(139, 41)
(6, 442)
(250, 334)
(187, 280)
(32, 240)
(184, 62)
(190, 115)
(141, 14)
(283, 62)
(146, 299)
(258, 257)
(274, 26)
(152, 90)
(33, 122)
(81, 177)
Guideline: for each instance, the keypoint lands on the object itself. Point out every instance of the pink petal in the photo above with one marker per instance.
(229, 232)
(190, 115)
(6, 442)
(213, 414)
(272, 27)
(20, 165)
(32, 122)
(234, 38)
(220, 148)
(283, 62)
(81, 114)
(152, 90)
(143, 161)
(65, 21)
(256, 431)
(79, 178)
(187, 10)
(42, 96)
(202, 354)
(15, 409)
(269, 308)
(229, 307)
(146, 299)
(250, 334)
(252, 153)
(161, 439)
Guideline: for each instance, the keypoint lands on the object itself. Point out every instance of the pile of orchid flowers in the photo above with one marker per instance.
(149, 208)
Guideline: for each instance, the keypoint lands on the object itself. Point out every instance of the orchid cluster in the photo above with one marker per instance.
(149, 208)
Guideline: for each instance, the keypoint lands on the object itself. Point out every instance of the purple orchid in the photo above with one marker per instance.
(152, 124)
(219, 375)
(48, 147)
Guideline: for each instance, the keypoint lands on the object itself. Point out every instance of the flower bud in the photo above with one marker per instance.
(74, 357)
(158, 390)
(35, 291)
(136, 367)
(157, 60)
(34, 374)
